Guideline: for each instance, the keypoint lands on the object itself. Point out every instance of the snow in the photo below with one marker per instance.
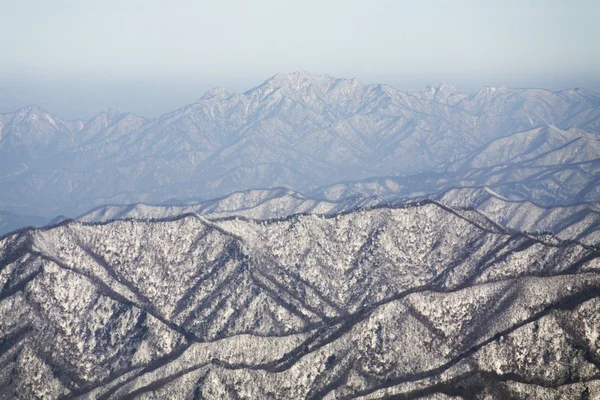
(393, 298)
(298, 130)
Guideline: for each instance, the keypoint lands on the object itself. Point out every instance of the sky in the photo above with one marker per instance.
(77, 57)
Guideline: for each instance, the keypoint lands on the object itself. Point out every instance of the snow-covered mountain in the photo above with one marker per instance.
(579, 222)
(546, 165)
(253, 204)
(297, 130)
(404, 271)
(408, 301)
(572, 222)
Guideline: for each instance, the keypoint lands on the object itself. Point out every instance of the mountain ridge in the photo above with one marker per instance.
(292, 320)
(576, 223)
(298, 130)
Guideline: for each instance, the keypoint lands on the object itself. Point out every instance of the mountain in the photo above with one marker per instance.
(254, 204)
(546, 165)
(299, 130)
(31, 133)
(579, 222)
(573, 222)
(411, 301)
(543, 146)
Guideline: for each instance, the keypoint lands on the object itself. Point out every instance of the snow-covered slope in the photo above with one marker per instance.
(546, 165)
(253, 204)
(407, 301)
(574, 222)
(296, 130)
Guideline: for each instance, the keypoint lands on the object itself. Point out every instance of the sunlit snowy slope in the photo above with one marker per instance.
(572, 222)
(409, 301)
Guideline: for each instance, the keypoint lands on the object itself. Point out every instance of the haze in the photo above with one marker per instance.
(75, 58)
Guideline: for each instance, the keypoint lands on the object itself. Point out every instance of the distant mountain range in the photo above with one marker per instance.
(545, 165)
(392, 302)
(304, 131)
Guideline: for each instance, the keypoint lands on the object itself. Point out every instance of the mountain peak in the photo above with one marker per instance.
(33, 108)
(297, 78)
(445, 87)
(218, 92)
(111, 112)
(294, 75)
(444, 93)
(492, 89)
(35, 113)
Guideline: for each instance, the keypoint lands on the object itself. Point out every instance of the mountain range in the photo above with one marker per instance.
(544, 165)
(580, 222)
(304, 131)
(418, 301)
(311, 238)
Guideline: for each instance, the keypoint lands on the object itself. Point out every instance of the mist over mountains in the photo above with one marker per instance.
(311, 238)
(302, 131)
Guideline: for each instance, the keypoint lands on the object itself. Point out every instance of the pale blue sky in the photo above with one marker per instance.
(74, 57)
